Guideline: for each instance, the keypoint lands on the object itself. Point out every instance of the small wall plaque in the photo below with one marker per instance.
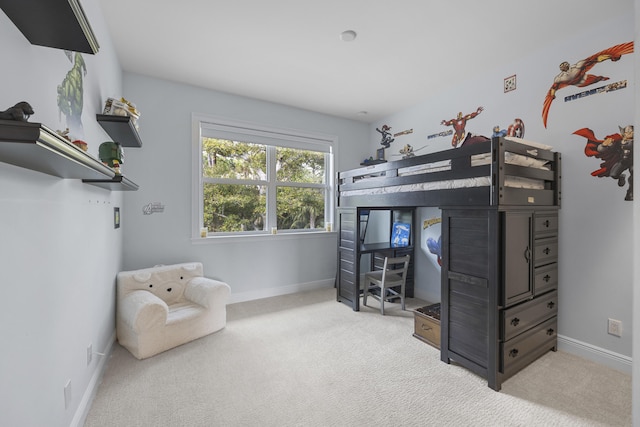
(510, 84)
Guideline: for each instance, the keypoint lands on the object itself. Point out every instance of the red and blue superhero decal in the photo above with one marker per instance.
(616, 153)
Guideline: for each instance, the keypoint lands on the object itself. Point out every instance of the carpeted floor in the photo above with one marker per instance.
(307, 360)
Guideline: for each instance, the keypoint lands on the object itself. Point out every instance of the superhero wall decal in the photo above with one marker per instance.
(459, 124)
(71, 94)
(577, 74)
(616, 153)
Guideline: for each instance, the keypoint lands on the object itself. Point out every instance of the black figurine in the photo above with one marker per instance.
(19, 112)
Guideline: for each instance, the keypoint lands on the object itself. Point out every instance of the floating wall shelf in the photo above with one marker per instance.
(60, 24)
(36, 147)
(121, 129)
(118, 183)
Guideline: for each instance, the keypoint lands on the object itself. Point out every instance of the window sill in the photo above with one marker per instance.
(262, 237)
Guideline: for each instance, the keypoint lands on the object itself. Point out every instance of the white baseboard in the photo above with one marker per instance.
(600, 355)
(92, 388)
(284, 290)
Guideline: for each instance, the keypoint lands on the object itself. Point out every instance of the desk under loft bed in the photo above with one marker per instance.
(499, 202)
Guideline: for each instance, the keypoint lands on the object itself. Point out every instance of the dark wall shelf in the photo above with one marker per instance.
(60, 24)
(121, 129)
(36, 147)
(118, 183)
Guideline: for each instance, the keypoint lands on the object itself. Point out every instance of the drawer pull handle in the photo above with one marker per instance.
(546, 278)
(550, 331)
(546, 251)
(513, 353)
(515, 321)
(551, 304)
(546, 223)
(527, 254)
(426, 328)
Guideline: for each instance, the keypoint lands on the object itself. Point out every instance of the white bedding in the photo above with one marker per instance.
(476, 160)
(484, 181)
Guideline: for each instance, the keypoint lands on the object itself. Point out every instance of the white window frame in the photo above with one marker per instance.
(223, 128)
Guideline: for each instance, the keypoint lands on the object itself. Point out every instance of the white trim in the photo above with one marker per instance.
(599, 355)
(213, 239)
(80, 416)
(281, 235)
(197, 207)
(313, 141)
(282, 290)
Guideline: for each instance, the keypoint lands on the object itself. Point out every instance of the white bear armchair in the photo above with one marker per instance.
(162, 307)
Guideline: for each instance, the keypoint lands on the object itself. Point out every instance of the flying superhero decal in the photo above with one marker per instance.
(616, 153)
(459, 124)
(576, 74)
(387, 139)
(432, 232)
(435, 247)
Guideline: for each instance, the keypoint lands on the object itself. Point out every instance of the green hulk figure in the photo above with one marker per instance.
(112, 155)
(70, 94)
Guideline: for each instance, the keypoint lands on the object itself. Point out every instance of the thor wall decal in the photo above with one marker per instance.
(616, 153)
(576, 74)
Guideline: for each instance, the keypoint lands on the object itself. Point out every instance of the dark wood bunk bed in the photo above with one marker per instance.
(499, 245)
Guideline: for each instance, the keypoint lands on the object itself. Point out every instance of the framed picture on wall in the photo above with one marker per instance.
(400, 234)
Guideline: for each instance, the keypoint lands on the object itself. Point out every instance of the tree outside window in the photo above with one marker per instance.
(252, 187)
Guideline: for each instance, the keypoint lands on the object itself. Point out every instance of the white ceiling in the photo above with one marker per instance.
(290, 52)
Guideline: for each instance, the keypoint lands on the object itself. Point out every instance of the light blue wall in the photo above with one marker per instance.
(636, 248)
(596, 223)
(59, 253)
(253, 267)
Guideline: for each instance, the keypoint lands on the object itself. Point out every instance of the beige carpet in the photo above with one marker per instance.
(307, 360)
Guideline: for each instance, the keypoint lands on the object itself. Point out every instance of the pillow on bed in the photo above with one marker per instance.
(425, 168)
(520, 160)
(512, 159)
(529, 143)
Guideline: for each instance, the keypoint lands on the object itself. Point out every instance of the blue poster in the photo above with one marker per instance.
(400, 234)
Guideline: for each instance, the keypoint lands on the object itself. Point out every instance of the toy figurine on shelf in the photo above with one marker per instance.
(112, 155)
(497, 132)
(19, 112)
(80, 144)
(64, 134)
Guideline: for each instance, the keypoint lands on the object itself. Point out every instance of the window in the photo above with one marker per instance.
(250, 179)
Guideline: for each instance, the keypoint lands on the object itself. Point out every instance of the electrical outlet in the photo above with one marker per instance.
(615, 327)
(89, 354)
(67, 394)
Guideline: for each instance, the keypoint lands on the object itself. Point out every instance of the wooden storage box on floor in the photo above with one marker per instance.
(427, 324)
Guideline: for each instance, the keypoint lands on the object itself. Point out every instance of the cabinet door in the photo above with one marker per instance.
(348, 262)
(516, 245)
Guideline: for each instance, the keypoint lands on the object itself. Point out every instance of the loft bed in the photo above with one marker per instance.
(499, 201)
(502, 171)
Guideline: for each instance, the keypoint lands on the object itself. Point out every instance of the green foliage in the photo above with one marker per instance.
(231, 159)
(300, 166)
(236, 206)
(300, 208)
(229, 207)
